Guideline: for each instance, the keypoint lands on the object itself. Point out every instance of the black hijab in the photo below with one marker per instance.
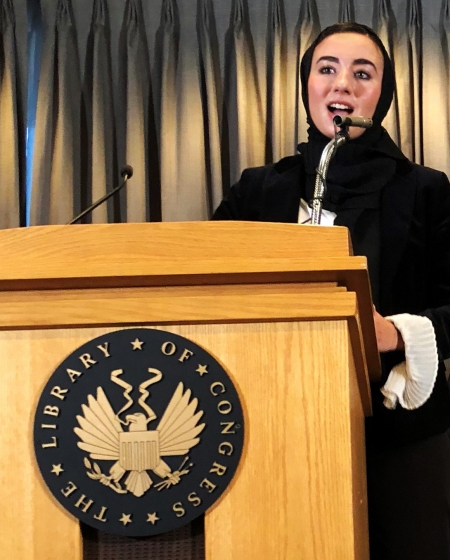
(361, 168)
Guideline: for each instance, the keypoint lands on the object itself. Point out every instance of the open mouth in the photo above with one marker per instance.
(340, 108)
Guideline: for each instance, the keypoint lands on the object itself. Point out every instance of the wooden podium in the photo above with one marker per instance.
(284, 308)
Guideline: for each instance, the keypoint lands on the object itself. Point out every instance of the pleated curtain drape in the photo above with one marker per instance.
(414, 117)
(100, 132)
(11, 123)
(189, 93)
(346, 11)
(445, 39)
(211, 93)
(168, 43)
(56, 185)
(382, 20)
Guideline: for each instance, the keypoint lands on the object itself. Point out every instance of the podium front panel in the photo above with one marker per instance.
(299, 492)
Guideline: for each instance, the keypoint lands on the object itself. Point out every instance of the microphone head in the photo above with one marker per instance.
(126, 171)
(360, 122)
(339, 121)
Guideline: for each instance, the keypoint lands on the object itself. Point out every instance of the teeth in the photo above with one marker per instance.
(340, 106)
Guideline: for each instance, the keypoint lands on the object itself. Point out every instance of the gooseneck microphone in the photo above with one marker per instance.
(341, 136)
(126, 173)
(360, 122)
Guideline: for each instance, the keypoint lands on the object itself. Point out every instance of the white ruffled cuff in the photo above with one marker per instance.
(411, 382)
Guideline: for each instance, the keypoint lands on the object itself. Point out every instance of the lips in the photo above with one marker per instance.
(340, 108)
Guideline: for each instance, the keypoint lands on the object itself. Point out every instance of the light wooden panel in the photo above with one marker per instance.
(294, 486)
(190, 304)
(108, 250)
(32, 525)
(359, 479)
(171, 304)
(107, 256)
(251, 276)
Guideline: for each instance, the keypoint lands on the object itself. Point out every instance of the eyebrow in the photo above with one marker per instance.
(355, 62)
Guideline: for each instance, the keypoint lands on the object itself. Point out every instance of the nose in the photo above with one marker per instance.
(343, 82)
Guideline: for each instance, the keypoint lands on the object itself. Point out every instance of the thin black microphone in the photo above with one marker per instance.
(126, 172)
(360, 122)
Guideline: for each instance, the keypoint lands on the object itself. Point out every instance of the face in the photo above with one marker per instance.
(345, 79)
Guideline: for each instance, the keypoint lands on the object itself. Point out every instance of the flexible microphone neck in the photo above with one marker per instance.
(126, 172)
(320, 186)
(341, 136)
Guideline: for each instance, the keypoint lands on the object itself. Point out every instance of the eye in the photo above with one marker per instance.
(327, 70)
(362, 75)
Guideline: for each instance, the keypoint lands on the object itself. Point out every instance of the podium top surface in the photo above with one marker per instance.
(125, 254)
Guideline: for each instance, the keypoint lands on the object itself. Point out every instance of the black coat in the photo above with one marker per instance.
(414, 274)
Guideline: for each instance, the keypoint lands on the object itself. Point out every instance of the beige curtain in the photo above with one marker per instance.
(445, 40)
(210, 84)
(415, 99)
(346, 10)
(243, 94)
(11, 156)
(190, 93)
(136, 76)
(168, 47)
(384, 24)
(56, 187)
(102, 158)
(277, 132)
(307, 29)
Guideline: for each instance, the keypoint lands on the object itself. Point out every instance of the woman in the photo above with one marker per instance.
(398, 214)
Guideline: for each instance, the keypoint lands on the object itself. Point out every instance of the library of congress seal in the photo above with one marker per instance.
(138, 432)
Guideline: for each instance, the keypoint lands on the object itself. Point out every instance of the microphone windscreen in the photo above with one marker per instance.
(127, 171)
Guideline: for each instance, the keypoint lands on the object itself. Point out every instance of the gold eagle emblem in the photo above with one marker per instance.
(138, 450)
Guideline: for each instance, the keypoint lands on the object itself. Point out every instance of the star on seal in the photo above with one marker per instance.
(152, 518)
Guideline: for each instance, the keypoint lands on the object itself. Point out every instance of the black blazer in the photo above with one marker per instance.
(414, 274)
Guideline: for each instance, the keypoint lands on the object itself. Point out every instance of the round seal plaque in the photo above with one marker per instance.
(138, 432)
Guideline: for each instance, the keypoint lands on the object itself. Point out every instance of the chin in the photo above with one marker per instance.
(327, 131)
(356, 132)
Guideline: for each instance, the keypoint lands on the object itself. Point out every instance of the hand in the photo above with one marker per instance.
(388, 337)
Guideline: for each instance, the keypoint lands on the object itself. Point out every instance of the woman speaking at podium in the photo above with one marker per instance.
(398, 215)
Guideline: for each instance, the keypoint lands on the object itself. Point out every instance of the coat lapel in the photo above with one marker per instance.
(281, 193)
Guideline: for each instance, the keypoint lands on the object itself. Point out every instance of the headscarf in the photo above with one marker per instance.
(361, 168)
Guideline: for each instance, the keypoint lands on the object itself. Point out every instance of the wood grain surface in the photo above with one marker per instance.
(298, 492)
(287, 311)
